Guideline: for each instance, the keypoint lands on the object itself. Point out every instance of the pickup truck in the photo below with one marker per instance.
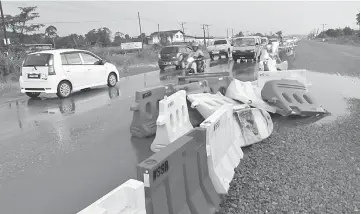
(220, 47)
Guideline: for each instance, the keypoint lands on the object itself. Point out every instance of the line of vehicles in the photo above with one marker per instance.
(247, 47)
(64, 71)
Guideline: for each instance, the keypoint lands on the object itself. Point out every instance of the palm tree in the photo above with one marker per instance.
(51, 32)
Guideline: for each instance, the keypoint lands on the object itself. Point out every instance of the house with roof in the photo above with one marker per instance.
(170, 35)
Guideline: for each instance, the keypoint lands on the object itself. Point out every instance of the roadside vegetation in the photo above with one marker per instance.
(342, 36)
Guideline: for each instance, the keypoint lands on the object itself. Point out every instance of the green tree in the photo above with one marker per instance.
(240, 34)
(358, 19)
(347, 31)
(19, 24)
(51, 32)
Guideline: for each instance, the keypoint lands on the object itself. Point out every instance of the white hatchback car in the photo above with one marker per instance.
(64, 71)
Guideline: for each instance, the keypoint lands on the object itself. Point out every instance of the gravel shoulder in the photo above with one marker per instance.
(303, 169)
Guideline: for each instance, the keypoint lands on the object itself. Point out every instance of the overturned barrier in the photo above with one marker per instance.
(292, 97)
(222, 150)
(215, 83)
(299, 75)
(177, 180)
(194, 87)
(207, 104)
(252, 125)
(173, 120)
(248, 93)
(127, 198)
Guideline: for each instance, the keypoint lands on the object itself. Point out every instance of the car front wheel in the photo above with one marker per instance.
(64, 89)
(32, 94)
(112, 80)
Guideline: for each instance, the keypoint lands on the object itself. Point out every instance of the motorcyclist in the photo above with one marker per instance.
(197, 54)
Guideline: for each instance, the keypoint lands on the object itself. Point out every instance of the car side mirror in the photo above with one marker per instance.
(102, 62)
(257, 44)
(232, 44)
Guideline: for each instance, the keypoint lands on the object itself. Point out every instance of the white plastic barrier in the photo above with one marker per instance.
(253, 126)
(223, 153)
(173, 120)
(207, 104)
(248, 93)
(265, 76)
(128, 198)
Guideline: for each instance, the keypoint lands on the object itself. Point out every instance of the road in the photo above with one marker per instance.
(59, 156)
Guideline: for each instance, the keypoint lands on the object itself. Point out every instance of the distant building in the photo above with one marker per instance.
(170, 35)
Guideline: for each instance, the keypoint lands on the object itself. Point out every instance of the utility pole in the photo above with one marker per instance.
(208, 32)
(232, 32)
(227, 32)
(182, 24)
(323, 30)
(4, 26)
(140, 28)
(204, 34)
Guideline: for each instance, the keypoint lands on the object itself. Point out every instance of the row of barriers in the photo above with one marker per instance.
(188, 172)
(193, 165)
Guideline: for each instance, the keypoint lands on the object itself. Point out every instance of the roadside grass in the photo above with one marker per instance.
(353, 40)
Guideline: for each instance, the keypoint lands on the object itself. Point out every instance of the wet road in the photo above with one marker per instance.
(59, 156)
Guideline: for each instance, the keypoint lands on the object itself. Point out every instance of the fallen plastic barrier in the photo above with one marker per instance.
(127, 198)
(216, 83)
(194, 87)
(253, 126)
(173, 120)
(265, 76)
(222, 150)
(207, 104)
(248, 93)
(292, 97)
(146, 110)
(176, 179)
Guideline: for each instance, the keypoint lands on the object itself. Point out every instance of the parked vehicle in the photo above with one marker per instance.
(173, 55)
(246, 47)
(220, 47)
(64, 71)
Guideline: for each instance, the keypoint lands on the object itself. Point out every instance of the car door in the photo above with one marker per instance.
(95, 72)
(74, 69)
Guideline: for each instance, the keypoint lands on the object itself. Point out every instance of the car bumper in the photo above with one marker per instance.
(249, 55)
(44, 86)
(168, 62)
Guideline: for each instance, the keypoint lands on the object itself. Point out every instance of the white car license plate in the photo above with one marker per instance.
(33, 76)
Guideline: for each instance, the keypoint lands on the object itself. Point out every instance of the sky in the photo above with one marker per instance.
(292, 17)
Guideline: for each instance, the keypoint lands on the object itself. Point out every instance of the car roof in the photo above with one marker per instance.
(247, 37)
(59, 51)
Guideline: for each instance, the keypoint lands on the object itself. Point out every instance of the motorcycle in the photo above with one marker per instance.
(192, 68)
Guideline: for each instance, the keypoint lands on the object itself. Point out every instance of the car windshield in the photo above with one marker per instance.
(220, 42)
(37, 60)
(244, 42)
(168, 50)
(264, 40)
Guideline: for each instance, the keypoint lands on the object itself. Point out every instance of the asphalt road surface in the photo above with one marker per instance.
(59, 156)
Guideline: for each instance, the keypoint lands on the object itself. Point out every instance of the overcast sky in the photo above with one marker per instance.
(260, 16)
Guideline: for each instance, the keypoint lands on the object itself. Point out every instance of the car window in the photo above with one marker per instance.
(64, 61)
(241, 42)
(168, 50)
(220, 42)
(89, 59)
(41, 59)
(73, 58)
